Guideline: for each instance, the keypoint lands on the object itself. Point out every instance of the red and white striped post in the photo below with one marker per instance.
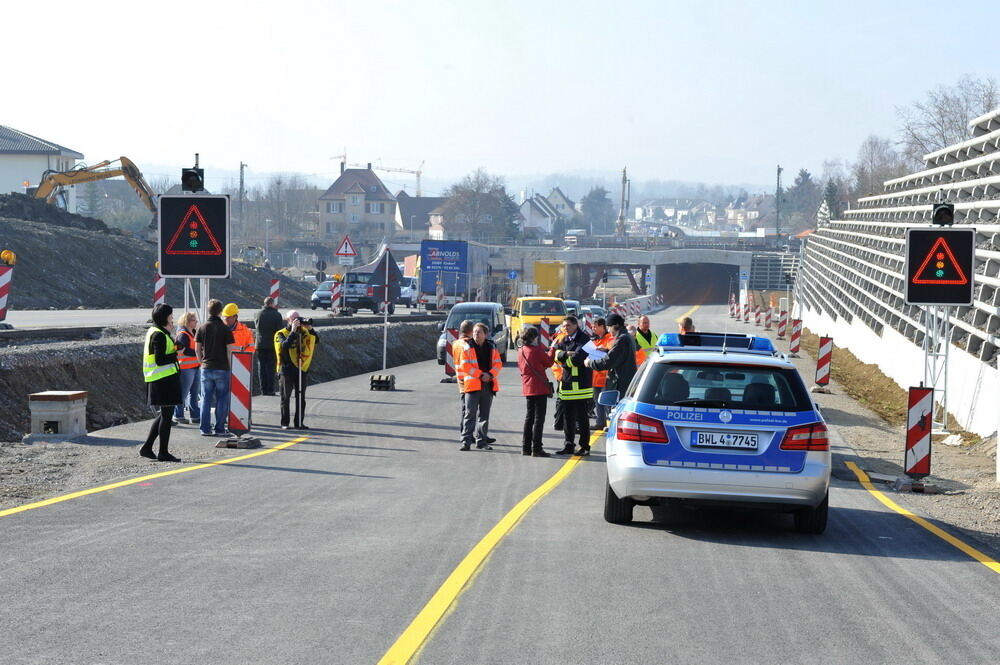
(545, 329)
(756, 315)
(240, 402)
(588, 323)
(767, 318)
(823, 365)
(796, 338)
(159, 289)
(919, 423)
(276, 290)
(449, 358)
(336, 291)
(746, 312)
(782, 324)
(6, 273)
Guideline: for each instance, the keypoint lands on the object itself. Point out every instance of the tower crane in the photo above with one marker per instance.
(417, 172)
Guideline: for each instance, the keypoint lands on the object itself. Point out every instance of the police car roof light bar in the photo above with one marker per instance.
(737, 342)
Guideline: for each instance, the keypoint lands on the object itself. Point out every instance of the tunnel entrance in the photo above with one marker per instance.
(696, 283)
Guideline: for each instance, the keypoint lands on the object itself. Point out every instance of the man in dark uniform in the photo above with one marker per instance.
(575, 387)
(267, 322)
(620, 361)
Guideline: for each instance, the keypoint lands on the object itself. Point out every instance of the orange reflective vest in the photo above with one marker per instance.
(243, 338)
(456, 352)
(557, 368)
(467, 368)
(601, 376)
(644, 348)
(187, 361)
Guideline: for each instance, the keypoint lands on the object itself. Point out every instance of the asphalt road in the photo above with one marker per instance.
(325, 551)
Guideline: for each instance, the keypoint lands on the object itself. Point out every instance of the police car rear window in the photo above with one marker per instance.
(751, 387)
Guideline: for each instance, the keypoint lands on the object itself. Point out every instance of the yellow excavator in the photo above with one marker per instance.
(53, 181)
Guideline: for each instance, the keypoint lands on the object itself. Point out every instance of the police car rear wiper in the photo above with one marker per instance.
(716, 403)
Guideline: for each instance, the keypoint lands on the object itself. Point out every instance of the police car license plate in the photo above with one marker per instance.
(724, 440)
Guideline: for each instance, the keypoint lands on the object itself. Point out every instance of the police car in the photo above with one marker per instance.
(718, 418)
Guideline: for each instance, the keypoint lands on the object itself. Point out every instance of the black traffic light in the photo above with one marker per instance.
(944, 214)
(604, 278)
(193, 179)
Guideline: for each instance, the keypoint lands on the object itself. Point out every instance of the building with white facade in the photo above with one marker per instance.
(24, 158)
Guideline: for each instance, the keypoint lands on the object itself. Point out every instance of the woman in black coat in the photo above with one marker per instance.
(162, 393)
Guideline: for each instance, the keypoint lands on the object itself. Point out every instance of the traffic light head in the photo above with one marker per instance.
(193, 180)
(944, 214)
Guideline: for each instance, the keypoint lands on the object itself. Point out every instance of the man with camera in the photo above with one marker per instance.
(294, 346)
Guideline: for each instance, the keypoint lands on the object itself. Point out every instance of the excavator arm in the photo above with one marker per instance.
(53, 180)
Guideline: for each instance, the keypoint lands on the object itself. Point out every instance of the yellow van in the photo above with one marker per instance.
(530, 310)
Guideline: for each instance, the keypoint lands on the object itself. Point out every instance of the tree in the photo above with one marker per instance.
(942, 118)
(831, 197)
(478, 207)
(658, 214)
(877, 162)
(823, 214)
(804, 195)
(597, 210)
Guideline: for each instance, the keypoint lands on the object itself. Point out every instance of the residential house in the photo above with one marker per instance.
(24, 158)
(413, 215)
(539, 216)
(358, 204)
(562, 204)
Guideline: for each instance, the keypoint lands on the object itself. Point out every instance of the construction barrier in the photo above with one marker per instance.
(588, 323)
(756, 315)
(241, 380)
(767, 318)
(823, 362)
(439, 297)
(545, 330)
(782, 324)
(746, 312)
(6, 273)
(159, 289)
(919, 423)
(276, 290)
(336, 292)
(449, 358)
(793, 343)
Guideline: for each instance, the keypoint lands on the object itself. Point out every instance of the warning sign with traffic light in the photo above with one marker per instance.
(940, 266)
(193, 236)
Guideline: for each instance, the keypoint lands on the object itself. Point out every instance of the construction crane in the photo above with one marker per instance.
(418, 172)
(53, 181)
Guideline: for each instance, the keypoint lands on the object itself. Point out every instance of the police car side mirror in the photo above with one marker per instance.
(816, 404)
(608, 398)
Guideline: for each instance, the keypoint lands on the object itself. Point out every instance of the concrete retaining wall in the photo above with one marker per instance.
(109, 369)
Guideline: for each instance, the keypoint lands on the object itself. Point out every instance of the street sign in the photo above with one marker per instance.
(346, 248)
(940, 266)
(346, 260)
(320, 264)
(744, 275)
(512, 274)
(193, 235)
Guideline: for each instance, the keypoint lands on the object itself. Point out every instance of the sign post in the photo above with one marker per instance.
(346, 252)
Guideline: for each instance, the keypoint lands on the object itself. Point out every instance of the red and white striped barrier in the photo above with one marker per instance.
(746, 312)
(756, 315)
(919, 423)
(588, 323)
(336, 292)
(824, 361)
(439, 297)
(240, 382)
(449, 358)
(796, 338)
(545, 330)
(6, 273)
(782, 324)
(159, 289)
(767, 318)
(275, 289)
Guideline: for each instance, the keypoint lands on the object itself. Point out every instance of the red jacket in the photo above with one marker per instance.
(532, 361)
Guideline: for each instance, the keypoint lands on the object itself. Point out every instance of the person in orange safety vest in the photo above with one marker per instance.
(478, 368)
(242, 335)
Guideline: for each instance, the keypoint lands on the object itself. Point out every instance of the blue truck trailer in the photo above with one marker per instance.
(452, 271)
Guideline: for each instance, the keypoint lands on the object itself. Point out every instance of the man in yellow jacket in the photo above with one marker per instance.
(645, 341)
(294, 345)
(478, 368)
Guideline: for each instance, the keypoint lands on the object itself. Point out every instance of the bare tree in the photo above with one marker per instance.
(479, 208)
(941, 119)
(877, 162)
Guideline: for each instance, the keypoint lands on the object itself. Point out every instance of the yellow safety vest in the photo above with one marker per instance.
(644, 348)
(150, 370)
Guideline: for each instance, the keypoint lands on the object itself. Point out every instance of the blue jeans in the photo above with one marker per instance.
(214, 392)
(190, 390)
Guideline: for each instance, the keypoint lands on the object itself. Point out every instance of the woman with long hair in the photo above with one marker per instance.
(532, 361)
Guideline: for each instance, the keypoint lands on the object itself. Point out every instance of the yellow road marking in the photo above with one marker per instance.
(940, 533)
(416, 634)
(687, 313)
(133, 481)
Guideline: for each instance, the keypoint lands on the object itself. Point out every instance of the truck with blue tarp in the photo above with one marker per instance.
(452, 271)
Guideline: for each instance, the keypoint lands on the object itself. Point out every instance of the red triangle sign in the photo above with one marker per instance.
(193, 237)
(346, 248)
(940, 266)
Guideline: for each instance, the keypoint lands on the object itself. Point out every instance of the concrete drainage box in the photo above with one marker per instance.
(57, 415)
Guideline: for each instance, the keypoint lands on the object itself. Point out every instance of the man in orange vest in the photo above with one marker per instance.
(242, 335)
(602, 340)
(477, 367)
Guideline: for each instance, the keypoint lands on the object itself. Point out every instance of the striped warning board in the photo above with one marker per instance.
(746, 312)
(824, 361)
(6, 273)
(796, 338)
(159, 289)
(275, 289)
(782, 324)
(545, 330)
(917, 463)
(241, 378)
(756, 315)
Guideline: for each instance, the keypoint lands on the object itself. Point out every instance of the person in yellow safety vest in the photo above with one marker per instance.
(645, 341)
(242, 335)
(294, 346)
(575, 389)
(478, 370)
(163, 381)
(557, 412)
(190, 366)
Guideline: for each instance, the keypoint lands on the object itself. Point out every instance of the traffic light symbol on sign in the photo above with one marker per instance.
(940, 267)
(193, 237)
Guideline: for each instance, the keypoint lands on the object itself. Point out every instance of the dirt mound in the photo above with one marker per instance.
(66, 267)
(21, 206)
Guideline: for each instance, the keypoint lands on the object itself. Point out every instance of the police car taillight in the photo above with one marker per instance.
(637, 427)
(806, 437)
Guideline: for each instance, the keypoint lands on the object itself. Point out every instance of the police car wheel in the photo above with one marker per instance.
(617, 511)
(813, 520)
(314, 306)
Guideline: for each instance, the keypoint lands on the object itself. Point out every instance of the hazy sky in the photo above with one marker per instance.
(695, 91)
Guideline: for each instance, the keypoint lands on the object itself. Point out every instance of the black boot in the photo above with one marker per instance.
(165, 456)
(525, 450)
(538, 452)
(567, 449)
(147, 452)
(584, 451)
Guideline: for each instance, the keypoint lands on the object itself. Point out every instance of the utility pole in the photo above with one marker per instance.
(624, 204)
(777, 206)
(243, 226)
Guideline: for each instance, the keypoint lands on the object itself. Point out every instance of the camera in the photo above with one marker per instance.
(306, 322)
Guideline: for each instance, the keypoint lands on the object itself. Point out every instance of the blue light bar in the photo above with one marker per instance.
(714, 341)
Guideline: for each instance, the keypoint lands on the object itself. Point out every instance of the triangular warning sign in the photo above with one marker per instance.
(193, 237)
(346, 248)
(940, 267)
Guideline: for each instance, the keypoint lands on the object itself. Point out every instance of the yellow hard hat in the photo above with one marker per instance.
(230, 310)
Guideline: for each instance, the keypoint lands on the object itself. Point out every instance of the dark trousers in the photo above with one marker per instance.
(266, 368)
(558, 416)
(160, 429)
(577, 423)
(289, 385)
(534, 423)
(476, 423)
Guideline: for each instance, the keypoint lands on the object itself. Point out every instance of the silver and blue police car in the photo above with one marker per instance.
(718, 419)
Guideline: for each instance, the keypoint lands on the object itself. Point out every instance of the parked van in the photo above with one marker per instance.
(529, 311)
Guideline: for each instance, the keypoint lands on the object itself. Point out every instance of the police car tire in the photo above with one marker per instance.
(813, 520)
(617, 511)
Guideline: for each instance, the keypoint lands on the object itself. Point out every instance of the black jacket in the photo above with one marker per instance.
(267, 322)
(575, 375)
(620, 362)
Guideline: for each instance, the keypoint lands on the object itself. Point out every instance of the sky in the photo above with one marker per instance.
(705, 91)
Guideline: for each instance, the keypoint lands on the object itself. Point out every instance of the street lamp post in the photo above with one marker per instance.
(267, 239)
